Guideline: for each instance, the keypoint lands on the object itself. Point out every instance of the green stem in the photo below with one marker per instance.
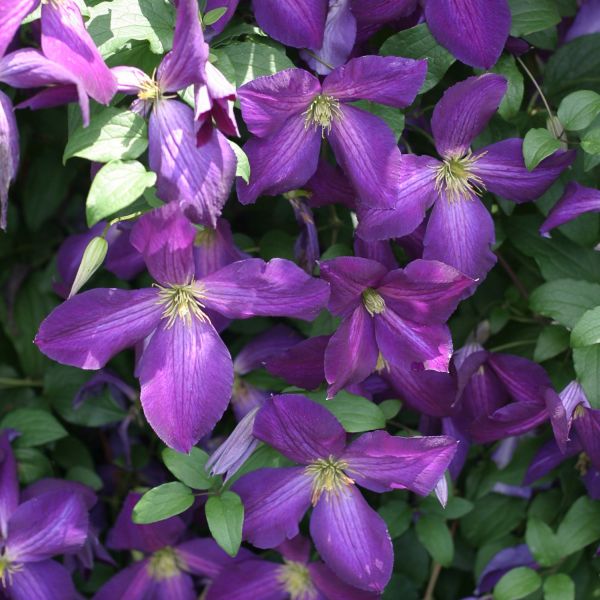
(14, 382)
(536, 84)
(319, 60)
(510, 345)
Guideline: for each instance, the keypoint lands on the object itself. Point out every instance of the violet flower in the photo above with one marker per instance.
(291, 112)
(587, 20)
(32, 532)
(9, 150)
(306, 248)
(351, 538)
(502, 562)
(185, 370)
(577, 200)
(389, 317)
(460, 230)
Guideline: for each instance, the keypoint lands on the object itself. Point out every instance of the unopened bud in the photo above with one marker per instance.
(93, 257)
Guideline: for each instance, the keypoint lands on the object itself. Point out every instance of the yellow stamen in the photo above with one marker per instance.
(182, 301)
(295, 578)
(382, 364)
(321, 113)
(164, 564)
(583, 463)
(373, 302)
(328, 476)
(7, 569)
(149, 90)
(455, 177)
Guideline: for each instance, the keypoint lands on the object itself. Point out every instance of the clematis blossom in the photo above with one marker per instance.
(351, 538)
(185, 371)
(460, 230)
(291, 113)
(577, 200)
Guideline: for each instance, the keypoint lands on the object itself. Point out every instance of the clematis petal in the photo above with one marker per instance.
(11, 15)
(57, 96)
(382, 462)
(132, 583)
(587, 20)
(587, 426)
(460, 233)
(381, 251)
(53, 523)
(352, 353)
(253, 287)
(249, 580)
(548, 457)
(426, 291)
(502, 170)
(215, 248)
(87, 330)
(329, 185)
(186, 376)
(282, 162)
(275, 501)
(365, 147)
(66, 41)
(475, 32)
(333, 588)
(376, 12)
(203, 556)
(165, 238)
(9, 150)
(199, 179)
(577, 200)
(9, 484)
(299, 428)
(389, 80)
(185, 64)
(43, 580)
(28, 68)
(297, 23)
(464, 111)
(348, 277)
(268, 102)
(503, 561)
(352, 539)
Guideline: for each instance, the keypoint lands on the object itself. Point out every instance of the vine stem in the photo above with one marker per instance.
(536, 84)
(435, 573)
(13, 382)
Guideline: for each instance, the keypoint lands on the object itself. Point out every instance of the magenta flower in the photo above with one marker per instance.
(577, 200)
(351, 538)
(460, 229)
(389, 317)
(32, 532)
(291, 112)
(185, 370)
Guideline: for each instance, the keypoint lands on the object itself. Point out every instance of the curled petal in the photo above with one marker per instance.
(577, 200)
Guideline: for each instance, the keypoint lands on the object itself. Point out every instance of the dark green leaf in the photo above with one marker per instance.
(529, 16)
(32, 465)
(162, 502)
(542, 542)
(397, 516)
(433, 533)
(538, 145)
(580, 527)
(189, 468)
(37, 427)
(579, 109)
(586, 361)
(587, 330)
(225, 517)
(511, 103)
(559, 587)
(517, 583)
(551, 342)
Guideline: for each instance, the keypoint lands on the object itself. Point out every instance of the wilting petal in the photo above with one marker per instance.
(132, 583)
(87, 330)
(275, 501)
(352, 539)
(268, 102)
(53, 523)
(215, 248)
(43, 580)
(333, 588)
(11, 15)
(9, 150)
(387, 80)
(299, 428)
(348, 277)
(297, 23)
(282, 162)
(306, 248)
(9, 484)
(475, 32)
(382, 462)
(66, 41)
(464, 111)
(253, 287)
(352, 352)
(577, 200)
(57, 96)
(165, 237)
(186, 377)
(249, 580)
(199, 179)
(503, 171)
(460, 233)
(365, 147)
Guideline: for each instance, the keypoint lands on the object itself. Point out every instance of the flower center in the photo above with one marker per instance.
(455, 177)
(205, 237)
(321, 113)
(373, 302)
(149, 90)
(7, 569)
(181, 301)
(295, 578)
(328, 476)
(583, 464)
(164, 564)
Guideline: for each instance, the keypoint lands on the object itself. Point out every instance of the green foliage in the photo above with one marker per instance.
(190, 468)
(517, 583)
(538, 144)
(225, 517)
(162, 502)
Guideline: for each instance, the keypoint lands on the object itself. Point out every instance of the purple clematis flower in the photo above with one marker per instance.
(9, 150)
(166, 571)
(306, 248)
(185, 371)
(389, 317)
(587, 20)
(33, 531)
(577, 200)
(291, 112)
(296, 578)
(351, 538)
(460, 230)
(501, 563)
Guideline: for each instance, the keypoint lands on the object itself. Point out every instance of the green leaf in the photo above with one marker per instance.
(587, 330)
(529, 16)
(242, 168)
(538, 144)
(392, 116)
(580, 527)
(433, 533)
(417, 42)
(355, 413)
(565, 300)
(542, 542)
(550, 343)
(242, 62)
(225, 517)
(517, 583)
(86, 476)
(390, 407)
(114, 23)
(590, 142)
(37, 427)
(32, 465)
(579, 109)
(559, 587)
(511, 103)
(113, 134)
(212, 16)
(116, 186)
(397, 516)
(586, 362)
(92, 259)
(189, 468)
(162, 502)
